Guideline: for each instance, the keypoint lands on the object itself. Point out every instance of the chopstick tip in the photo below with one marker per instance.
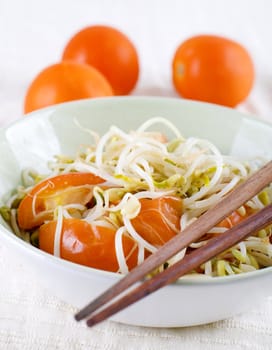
(91, 322)
(78, 316)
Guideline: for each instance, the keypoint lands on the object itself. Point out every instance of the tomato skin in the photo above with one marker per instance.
(234, 218)
(108, 50)
(152, 223)
(58, 190)
(213, 69)
(87, 244)
(65, 81)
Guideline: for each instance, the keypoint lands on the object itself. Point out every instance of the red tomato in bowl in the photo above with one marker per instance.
(108, 50)
(88, 245)
(159, 219)
(38, 205)
(235, 218)
(213, 69)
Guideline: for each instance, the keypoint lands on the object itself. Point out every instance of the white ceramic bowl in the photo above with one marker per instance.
(35, 139)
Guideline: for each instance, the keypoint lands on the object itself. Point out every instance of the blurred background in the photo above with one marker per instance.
(34, 33)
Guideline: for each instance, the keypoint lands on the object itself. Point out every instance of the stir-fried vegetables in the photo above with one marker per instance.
(126, 194)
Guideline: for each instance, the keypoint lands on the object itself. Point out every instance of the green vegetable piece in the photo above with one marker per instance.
(5, 213)
(264, 198)
(220, 267)
(237, 254)
(34, 238)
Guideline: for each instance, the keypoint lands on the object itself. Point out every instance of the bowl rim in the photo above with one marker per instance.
(138, 98)
(68, 265)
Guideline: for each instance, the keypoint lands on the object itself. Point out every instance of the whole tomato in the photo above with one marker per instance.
(65, 81)
(213, 69)
(108, 50)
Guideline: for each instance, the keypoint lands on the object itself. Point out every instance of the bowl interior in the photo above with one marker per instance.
(34, 140)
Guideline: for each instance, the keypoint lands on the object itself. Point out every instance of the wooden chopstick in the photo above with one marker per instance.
(199, 256)
(198, 228)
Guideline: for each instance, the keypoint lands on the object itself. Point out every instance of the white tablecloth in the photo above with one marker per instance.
(32, 36)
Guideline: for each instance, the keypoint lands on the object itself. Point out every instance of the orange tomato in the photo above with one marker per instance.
(109, 51)
(65, 81)
(213, 69)
(159, 219)
(234, 219)
(86, 244)
(48, 194)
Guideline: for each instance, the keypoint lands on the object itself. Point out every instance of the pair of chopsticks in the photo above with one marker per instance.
(98, 310)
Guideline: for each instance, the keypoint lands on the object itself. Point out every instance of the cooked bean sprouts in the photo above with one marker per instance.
(143, 164)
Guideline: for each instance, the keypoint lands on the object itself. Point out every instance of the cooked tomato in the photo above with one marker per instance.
(213, 69)
(108, 50)
(65, 81)
(38, 205)
(86, 244)
(234, 219)
(159, 219)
